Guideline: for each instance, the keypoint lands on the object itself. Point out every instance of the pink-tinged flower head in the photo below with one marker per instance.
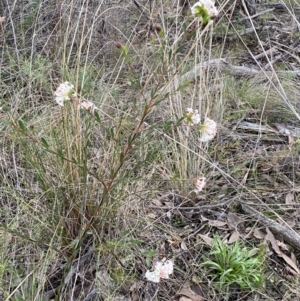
(161, 270)
(208, 130)
(119, 45)
(191, 117)
(64, 92)
(208, 5)
(199, 183)
(87, 105)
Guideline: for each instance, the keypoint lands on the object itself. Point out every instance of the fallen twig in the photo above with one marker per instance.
(281, 128)
(223, 65)
(268, 52)
(288, 234)
(220, 64)
(200, 208)
(259, 14)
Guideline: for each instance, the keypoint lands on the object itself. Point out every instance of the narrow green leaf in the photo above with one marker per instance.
(180, 48)
(97, 117)
(148, 253)
(170, 54)
(148, 263)
(178, 121)
(22, 126)
(60, 154)
(129, 139)
(122, 156)
(168, 124)
(183, 86)
(45, 143)
(112, 133)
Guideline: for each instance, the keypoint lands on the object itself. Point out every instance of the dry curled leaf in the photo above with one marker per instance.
(157, 202)
(290, 262)
(2, 19)
(187, 293)
(217, 224)
(282, 245)
(234, 222)
(291, 271)
(244, 180)
(183, 246)
(207, 239)
(275, 247)
(270, 237)
(151, 215)
(135, 290)
(183, 298)
(258, 234)
(293, 257)
(233, 237)
(289, 198)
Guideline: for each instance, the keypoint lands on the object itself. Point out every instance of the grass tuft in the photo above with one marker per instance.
(235, 266)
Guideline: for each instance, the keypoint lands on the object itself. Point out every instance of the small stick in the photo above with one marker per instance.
(265, 53)
(204, 207)
(259, 14)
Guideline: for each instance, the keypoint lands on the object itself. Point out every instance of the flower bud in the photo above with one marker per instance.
(152, 36)
(157, 27)
(118, 45)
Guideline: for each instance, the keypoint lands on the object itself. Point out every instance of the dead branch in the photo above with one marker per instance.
(288, 234)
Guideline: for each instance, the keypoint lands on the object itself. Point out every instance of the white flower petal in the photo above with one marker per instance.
(60, 101)
(166, 269)
(152, 276)
(206, 138)
(208, 130)
(196, 118)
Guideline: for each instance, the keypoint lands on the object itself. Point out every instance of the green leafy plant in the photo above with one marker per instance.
(235, 265)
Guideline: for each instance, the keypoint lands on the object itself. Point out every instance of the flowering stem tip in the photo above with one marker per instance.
(64, 93)
(205, 10)
(162, 269)
(208, 129)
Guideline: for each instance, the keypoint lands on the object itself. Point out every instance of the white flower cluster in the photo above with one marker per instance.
(65, 91)
(208, 130)
(161, 270)
(191, 116)
(208, 5)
